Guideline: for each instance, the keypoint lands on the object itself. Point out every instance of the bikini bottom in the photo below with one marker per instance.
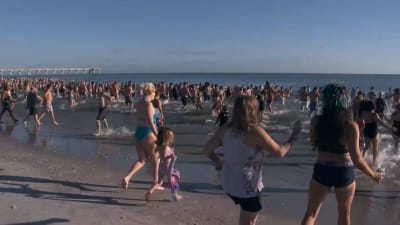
(333, 174)
(142, 132)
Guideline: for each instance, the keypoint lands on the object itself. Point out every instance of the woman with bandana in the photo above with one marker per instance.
(335, 136)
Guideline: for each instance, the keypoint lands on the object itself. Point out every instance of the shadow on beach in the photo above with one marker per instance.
(27, 190)
(43, 222)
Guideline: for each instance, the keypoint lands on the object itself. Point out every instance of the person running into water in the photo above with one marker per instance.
(31, 103)
(245, 144)
(165, 138)
(157, 104)
(48, 105)
(336, 137)
(223, 116)
(395, 119)
(145, 135)
(261, 107)
(104, 108)
(314, 99)
(7, 103)
(370, 132)
(380, 105)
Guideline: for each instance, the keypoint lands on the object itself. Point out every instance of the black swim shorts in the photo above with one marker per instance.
(252, 204)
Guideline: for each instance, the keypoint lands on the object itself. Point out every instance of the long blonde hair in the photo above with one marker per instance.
(148, 88)
(245, 113)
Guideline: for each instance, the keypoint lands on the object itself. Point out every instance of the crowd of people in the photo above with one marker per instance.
(344, 124)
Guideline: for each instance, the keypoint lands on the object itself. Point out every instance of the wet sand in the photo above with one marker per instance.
(65, 175)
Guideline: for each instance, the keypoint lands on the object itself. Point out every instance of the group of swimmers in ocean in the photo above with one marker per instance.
(339, 129)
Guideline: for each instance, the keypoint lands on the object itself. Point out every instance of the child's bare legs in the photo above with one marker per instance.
(174, 185)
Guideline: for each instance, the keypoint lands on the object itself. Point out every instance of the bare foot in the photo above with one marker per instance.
(160, 188)
(55, 123)
(177, 197)
(124, 184)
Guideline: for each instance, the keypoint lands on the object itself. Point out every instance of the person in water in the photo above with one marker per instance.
(395, 119)
(371, 121)
(335, 136)
(32, 99)
(145, 135)
(8, 103)
(245, 143)
(104, 104)
(48, 104)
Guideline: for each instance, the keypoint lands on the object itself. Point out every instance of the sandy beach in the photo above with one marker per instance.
(65, 175)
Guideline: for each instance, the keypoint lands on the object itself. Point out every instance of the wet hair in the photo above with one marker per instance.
(165, 136)
(245, 112)
(336, 114)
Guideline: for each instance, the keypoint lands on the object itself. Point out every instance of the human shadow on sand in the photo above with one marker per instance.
(216, 189)
(77, 185)
(43, 222)
(28, 191)
(378, 194)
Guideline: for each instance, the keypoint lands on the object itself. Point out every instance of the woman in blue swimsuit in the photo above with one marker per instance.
(336, 137)
(145, 135)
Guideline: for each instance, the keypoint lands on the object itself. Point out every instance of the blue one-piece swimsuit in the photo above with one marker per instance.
(142, 132)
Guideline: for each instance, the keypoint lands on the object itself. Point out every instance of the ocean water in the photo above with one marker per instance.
(381, 82)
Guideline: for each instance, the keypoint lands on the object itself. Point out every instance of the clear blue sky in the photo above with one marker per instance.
(328, 36)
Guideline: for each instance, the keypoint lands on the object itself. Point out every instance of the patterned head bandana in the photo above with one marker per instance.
(335, 97)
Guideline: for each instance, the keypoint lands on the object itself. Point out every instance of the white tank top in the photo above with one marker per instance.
(242, 167)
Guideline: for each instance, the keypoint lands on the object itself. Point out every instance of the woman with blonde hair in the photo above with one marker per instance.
(335, 136)
(145, 135)
(245, 144)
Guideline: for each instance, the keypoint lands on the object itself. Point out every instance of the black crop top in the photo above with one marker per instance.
(332, 147)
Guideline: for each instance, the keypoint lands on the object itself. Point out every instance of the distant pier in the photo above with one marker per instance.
(48, 71)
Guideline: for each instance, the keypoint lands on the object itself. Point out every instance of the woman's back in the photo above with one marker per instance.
(242, 169)
(142, 108)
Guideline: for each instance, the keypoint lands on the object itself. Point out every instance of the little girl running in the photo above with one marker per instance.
(165, 138)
